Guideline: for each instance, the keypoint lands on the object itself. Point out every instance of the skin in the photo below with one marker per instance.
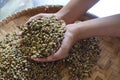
(108, 26)
(71, 12)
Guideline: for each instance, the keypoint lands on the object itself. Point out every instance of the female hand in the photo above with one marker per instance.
(66, 43)
(72, 35)
(38, 16)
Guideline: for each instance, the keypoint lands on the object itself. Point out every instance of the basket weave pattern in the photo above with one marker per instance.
(107, 67)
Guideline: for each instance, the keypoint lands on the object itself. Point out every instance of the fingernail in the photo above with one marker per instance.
(20, 33)
(32, 57)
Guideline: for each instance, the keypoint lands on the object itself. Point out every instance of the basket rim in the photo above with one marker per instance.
(45, 7)
(18, 14)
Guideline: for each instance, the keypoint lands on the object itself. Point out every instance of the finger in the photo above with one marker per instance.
(64, 49)
(68, 41)
(19, 33)
(40, 59)
(29, 20)
(38, 16)
(48, 59)
(57, 56)
(33, 18)
(61, 53)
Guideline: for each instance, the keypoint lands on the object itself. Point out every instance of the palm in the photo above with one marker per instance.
(63, 50)
(38, 16)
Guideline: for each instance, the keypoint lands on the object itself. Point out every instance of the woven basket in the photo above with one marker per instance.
(108, 65)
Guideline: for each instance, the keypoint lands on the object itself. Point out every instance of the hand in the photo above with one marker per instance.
(38, 16)
(74, 32)
(69, 39)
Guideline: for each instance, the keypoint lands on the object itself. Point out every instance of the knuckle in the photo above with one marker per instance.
(31, 18)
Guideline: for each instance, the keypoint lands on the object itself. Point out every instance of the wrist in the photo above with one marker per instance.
(64, 16)
(82, 30)
(61, 16)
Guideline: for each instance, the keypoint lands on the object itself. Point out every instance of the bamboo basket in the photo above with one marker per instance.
(108, 65)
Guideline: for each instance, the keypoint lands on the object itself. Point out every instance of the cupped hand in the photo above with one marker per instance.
(69, 39)
(73, 33)
(38, 16)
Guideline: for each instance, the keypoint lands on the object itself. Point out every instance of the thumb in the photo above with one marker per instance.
(63, 50)
(34, 17)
